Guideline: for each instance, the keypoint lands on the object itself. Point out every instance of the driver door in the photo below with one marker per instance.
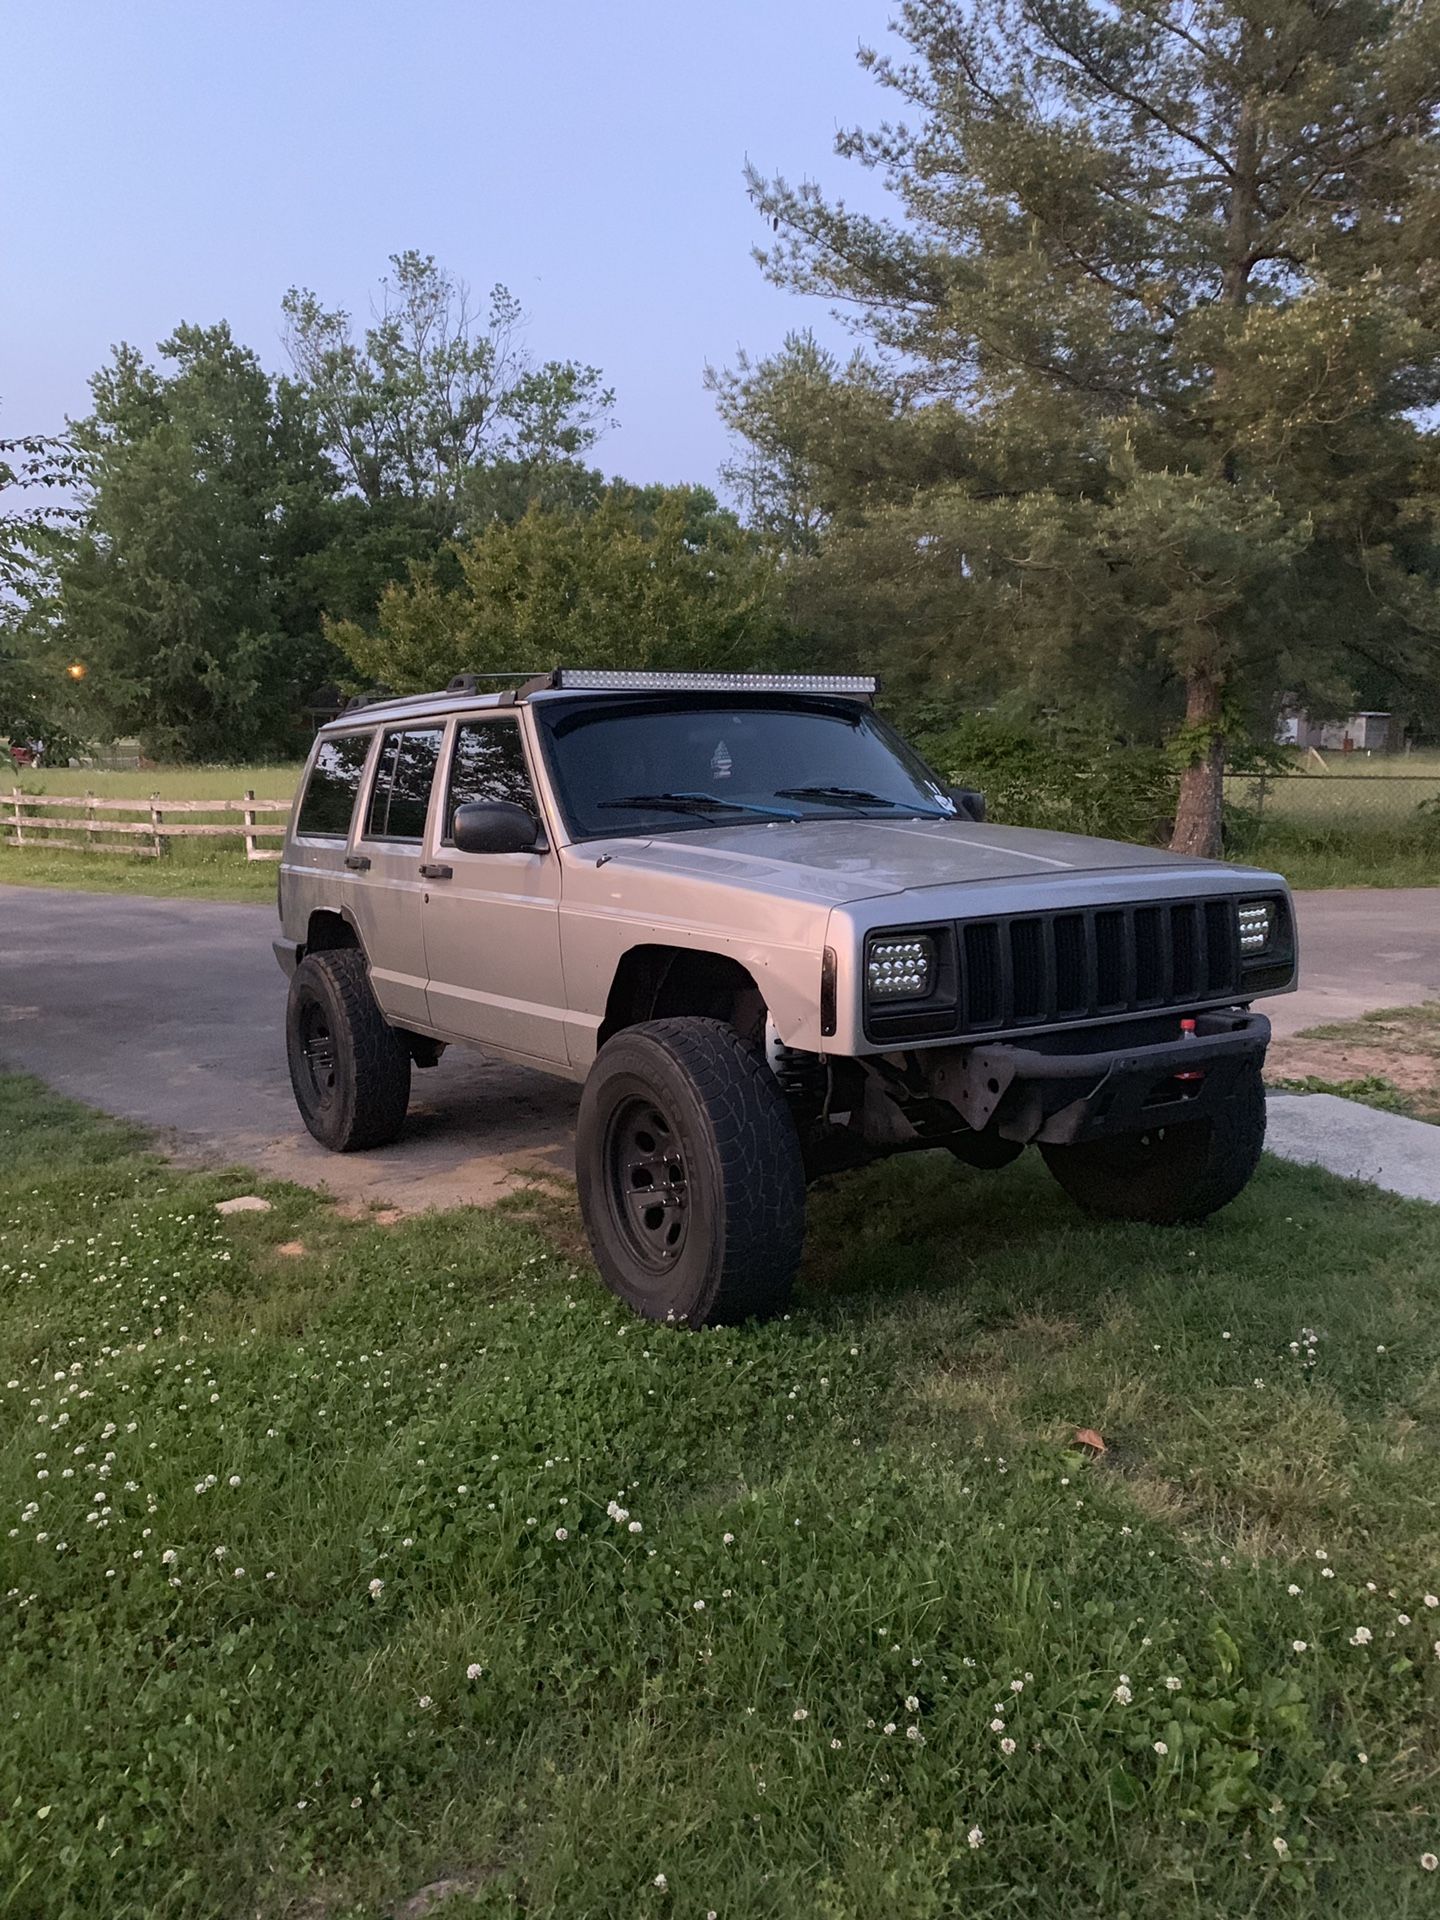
(492, 920)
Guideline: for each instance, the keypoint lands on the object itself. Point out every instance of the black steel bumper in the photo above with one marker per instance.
(1059, 1097)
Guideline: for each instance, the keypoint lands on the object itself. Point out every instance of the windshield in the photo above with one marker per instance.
(662, 764)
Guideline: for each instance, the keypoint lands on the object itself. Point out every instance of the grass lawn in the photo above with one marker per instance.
(345, 1560)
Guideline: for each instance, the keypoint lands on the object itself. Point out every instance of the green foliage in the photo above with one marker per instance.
(205, 487)
(658, 577)
(435, 393)
(1034, 780)
(1149, 344)
(413, 1557)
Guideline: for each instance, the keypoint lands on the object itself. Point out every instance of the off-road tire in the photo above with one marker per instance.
(721, 1243)
(359, 1098)
(1174, 1175)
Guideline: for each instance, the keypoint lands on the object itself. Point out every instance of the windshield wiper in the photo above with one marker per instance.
(701, 803)
(859, 796)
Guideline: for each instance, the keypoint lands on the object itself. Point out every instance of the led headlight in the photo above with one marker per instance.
(901, 969)
(1257, 927)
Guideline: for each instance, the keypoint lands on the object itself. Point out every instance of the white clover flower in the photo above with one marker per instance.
(727, 1539)
(698, 1606)
(562, 1533)
(1432, 1600)
(1361, 1637)
(1281, 1846)
(1327, 1573)
(1403, 1618)
(1429, 1862)
(1172, 1685)
(1298, 1646)
(168, 1557)
(912, 1704)
(426, 1701)
(835, 1745)
(1123, 1694)
(234, 1479)
(800, 1713)
(474, 1670)
(889, 1727)
(377, 1587)
(975, 1838)
(1292, 1590)
(635, 1527)
(661, 1882)
(1007, 1747)
(997, 1726)
(1161, 1748)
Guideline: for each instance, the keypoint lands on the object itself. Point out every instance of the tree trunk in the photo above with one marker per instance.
(1202, 784)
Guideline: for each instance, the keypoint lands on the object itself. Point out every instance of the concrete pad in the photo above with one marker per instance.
(1358, 1142)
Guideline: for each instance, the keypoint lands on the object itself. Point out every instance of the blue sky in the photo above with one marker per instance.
(191, 161)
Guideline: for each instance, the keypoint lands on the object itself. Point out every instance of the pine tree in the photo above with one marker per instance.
(1167, 268)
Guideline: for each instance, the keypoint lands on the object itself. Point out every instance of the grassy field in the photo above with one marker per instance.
(1355, 824)
(190, 869)
(171, 783)
(347, 1561)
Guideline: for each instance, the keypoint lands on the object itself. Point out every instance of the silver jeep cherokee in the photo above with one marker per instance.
(772, 944)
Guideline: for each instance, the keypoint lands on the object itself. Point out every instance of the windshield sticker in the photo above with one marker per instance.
(721, 765)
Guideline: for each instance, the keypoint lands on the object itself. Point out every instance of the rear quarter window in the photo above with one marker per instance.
(334, 782)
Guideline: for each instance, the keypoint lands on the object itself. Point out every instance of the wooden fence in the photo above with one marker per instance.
(27, 823)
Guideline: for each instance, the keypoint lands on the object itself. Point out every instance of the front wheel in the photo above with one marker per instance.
(691, 1180)
(349, 1067)
(1173, 1175)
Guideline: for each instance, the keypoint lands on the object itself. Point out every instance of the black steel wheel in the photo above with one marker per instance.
(349, 1068)
(646, 1184)
(690, 1174)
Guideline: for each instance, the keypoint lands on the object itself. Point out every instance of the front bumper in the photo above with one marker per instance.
(1059, 1097)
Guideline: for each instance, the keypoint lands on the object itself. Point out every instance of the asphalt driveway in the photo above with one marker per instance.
(170, 1012)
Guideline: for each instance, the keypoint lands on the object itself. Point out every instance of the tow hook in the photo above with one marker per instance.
(1187, 1032)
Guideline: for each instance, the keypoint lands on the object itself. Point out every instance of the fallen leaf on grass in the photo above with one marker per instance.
(1088, 1437)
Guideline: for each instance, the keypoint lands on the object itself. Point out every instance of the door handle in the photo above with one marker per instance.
(358, 862)
(433, 870)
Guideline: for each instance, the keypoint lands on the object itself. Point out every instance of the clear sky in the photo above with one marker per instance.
(192, 160)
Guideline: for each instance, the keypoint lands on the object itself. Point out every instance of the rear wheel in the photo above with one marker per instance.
(1169, 1175)
(349, 1067)
(690, 1175)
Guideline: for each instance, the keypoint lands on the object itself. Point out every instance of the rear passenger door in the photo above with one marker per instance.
(387, 854)
(492, 927)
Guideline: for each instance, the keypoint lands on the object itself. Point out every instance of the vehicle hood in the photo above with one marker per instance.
(834, 862)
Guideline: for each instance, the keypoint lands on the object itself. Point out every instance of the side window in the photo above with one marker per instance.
(488, 764)
(334, 782)
(400, 798)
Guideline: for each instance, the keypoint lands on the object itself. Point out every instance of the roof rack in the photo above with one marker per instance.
(370, 699)
(470, 682)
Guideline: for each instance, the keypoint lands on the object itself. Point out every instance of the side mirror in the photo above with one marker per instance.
(495, 826)
(969, 802)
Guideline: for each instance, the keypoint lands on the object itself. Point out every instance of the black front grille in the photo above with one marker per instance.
(1040, 969)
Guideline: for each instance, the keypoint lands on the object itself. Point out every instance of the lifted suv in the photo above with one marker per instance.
(772, 944)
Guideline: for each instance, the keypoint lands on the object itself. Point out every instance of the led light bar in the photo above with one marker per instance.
(600, 680)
